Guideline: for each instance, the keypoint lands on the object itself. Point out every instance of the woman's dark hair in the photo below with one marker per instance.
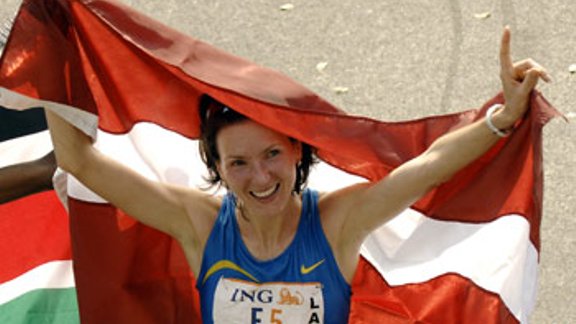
(214, 116)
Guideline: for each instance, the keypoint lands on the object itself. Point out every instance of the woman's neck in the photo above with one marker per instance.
(267, 236)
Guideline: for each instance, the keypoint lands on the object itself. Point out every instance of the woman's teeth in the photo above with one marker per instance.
(264, 194)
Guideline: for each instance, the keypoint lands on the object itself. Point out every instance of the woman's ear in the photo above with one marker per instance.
(297, 146)
(218, 165)
(221, 176)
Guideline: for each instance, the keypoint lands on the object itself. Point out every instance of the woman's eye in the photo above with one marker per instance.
(273, 153)
(237, 163)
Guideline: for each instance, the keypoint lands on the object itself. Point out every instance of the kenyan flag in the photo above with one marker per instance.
(36, 277)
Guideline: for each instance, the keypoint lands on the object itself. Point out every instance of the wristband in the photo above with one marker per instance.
(488, 119)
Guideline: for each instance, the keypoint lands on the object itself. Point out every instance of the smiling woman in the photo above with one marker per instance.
(277, 231)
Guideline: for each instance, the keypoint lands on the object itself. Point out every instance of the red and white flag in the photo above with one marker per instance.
(465, 253)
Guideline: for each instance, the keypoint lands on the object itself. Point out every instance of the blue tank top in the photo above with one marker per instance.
(301, 285)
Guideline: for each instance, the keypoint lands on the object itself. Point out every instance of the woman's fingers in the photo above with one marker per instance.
(506, 64)
(526, 72)
(531, 80)
(522, 67)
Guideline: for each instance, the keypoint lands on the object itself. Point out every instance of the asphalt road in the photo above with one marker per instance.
(396, 60)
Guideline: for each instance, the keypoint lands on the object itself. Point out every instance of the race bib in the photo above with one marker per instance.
(238, 301)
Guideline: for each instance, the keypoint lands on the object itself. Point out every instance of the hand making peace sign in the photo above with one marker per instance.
(518, 81)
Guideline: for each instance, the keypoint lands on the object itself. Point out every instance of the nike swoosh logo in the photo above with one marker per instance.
(306, 270)
(226, 264)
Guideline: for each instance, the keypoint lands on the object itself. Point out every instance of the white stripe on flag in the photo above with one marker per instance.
(54, 274)
(152, 151)
(25, 148)
(166, 156)
(497, 256)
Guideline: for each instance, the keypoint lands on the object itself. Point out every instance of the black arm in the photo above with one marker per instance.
(23, 179)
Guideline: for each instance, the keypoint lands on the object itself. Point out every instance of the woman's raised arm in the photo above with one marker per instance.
(370, 205)
(176, 211)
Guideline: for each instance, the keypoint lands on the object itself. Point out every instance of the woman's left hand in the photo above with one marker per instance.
(518, 81)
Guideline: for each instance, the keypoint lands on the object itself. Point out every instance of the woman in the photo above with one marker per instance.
(267, 251)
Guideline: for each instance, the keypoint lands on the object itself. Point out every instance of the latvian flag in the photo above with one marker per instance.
(465, 253)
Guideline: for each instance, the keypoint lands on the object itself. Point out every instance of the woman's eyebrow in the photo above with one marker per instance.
(263, 151)
(234, 157)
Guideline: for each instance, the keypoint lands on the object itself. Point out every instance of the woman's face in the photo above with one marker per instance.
(258, 165)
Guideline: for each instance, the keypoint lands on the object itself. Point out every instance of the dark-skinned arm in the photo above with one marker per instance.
(20, 180)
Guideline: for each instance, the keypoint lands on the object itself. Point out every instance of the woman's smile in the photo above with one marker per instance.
(266, 194)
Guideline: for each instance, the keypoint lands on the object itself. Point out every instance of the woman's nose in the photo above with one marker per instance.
(260, 174)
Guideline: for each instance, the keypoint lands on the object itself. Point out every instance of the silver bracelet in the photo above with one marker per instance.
(489, 123)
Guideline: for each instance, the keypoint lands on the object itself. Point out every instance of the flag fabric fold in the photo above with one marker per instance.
(432, 264)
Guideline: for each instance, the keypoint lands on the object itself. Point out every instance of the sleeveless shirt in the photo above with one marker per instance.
(301, 285)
